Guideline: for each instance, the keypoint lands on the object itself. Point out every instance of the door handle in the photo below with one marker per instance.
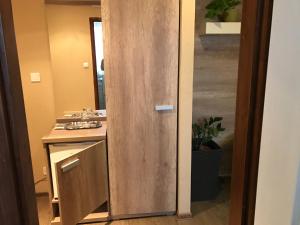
(70, 165)
(164, 108)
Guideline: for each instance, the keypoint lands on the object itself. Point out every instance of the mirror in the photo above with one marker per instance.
(98, 61)
(76, 51)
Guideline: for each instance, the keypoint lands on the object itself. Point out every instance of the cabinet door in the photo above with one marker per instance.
(82, 183)
(141, 74)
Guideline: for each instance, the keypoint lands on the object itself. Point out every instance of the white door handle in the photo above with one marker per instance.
(164, 107)
(70, 165)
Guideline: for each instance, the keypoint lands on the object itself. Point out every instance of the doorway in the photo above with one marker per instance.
(250, 76)
(96, 27)
(217, 48)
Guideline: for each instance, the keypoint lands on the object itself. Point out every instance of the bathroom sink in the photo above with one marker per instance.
(79, 116)
(78, 125)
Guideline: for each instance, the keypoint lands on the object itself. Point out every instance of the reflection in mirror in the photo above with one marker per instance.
(76, 49)
(98, 61)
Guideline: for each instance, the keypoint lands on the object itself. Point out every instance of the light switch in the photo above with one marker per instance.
(35, 77)
(85, 65)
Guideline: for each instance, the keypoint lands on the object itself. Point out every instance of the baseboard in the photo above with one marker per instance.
(143, 215)
(184, 216)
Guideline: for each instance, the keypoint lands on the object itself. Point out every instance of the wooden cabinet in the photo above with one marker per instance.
(141, 42)
(78, 179)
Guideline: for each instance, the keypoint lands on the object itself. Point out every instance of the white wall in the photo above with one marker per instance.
(186, 64)
(278, 196)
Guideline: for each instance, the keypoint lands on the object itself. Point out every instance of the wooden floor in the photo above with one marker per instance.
(204, 213)
(43, 209)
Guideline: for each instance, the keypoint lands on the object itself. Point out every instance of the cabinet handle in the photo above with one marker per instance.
(164, 107)
(73, 144)
(70, 165)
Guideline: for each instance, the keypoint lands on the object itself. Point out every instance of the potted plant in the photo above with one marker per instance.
(223, 10)
(206, 157)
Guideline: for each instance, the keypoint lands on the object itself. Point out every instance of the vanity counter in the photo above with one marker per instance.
(83, 152)
(63, 136)
(74, 116)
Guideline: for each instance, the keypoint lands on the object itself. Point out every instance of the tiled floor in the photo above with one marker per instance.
(204, 213)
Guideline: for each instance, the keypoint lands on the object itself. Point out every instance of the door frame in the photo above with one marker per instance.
(17, 193)
(252, 74)
(95, 79)
(256, 27)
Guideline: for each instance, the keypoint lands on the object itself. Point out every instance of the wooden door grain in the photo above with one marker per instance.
(82, 183)
(141, 43)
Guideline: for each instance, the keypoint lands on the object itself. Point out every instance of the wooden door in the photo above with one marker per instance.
(82, 183)
(141, 71)
(9, 203)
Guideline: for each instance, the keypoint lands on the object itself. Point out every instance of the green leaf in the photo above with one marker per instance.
(215, 132)
(217, 119)
(211, 121)
(217, 8)
(207, 129)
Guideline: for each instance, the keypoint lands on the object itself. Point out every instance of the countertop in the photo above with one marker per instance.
(63, 136)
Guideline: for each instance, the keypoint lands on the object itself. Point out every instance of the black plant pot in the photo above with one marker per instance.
(205, 172)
